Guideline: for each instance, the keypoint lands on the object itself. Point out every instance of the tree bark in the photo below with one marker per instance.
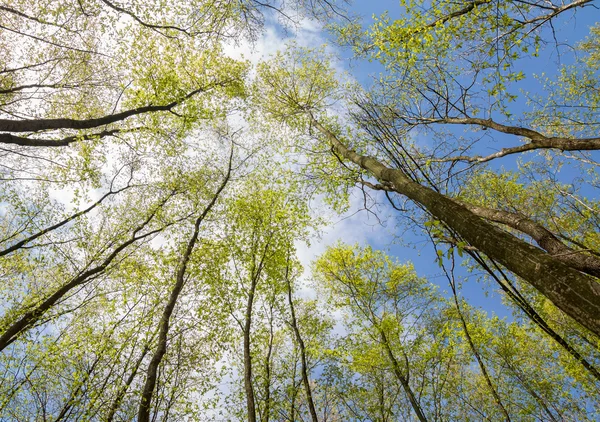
(543, 237)
(576, 294)
(35, 125)
(538, 140)
(7, 138)
(161, 348)
(267, 385)
(304, 367)
(249, 388)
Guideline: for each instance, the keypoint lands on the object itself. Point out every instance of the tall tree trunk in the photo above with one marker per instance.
(575, 293)
(267, 385)
(255, 274)
(164, 324)
(294, 395)
(250, 400)
(401, 377)
(522, 303)
(123, 390)
(304, 368)
(474, 350)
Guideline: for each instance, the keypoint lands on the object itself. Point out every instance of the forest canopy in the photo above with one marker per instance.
(160, 194)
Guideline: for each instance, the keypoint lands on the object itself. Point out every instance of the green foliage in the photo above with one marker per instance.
(295, 82)
(425, 334)
(84, 284)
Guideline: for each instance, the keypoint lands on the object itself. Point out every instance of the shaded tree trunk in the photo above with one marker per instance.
(545, 239)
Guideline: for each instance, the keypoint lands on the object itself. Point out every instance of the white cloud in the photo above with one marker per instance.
(355, 226)
(307, 33)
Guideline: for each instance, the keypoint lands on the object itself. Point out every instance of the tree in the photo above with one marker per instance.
(257, 240)
(161, 348)
(149, 224)
(301, 347)
(375, 290)
(130, 100)
(446, 360)
(440, 72)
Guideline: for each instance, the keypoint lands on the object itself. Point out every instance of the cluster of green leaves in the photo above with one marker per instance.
(569, 106)
(396, 320)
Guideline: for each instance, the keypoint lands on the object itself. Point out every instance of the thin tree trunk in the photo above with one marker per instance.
(255, 273)
(531, 391)
(267, 385)
(401, 377)
(121, 393)
(575, 293)
(66, 410)
(161, 348)
(294, 394)
(381, 397)
(480, 362)
(304, 368)
(250, 400)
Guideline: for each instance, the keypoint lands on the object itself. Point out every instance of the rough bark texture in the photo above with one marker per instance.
(576, 294)
(544, 238)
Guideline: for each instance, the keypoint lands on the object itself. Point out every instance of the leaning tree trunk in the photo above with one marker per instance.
(575, 293)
